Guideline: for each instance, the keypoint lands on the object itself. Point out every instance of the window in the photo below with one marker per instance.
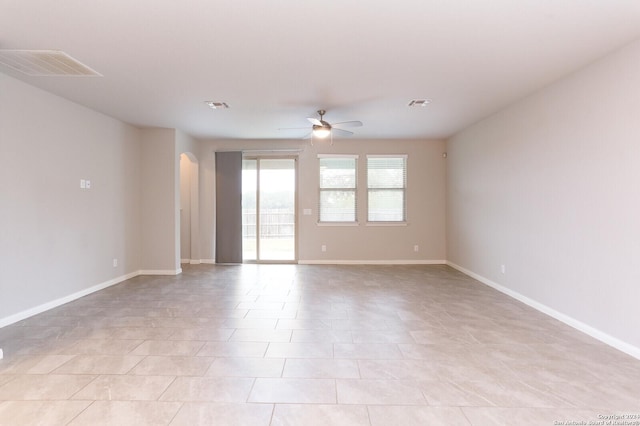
(387, 188)
(337, 188)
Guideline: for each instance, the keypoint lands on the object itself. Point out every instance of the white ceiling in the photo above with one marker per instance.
(276, 62)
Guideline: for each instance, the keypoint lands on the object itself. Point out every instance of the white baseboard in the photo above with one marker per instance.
(372, 262)
(195, 262)
(570, 321)
(160, 271)
(66, 299)
(208, 261)
(70, 298)
(185, 261)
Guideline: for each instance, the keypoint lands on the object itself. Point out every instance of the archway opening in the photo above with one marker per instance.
(189, 209)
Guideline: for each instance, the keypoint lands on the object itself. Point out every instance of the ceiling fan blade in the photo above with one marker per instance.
(354, 123)
(293, 128)
(315, 121)
(341, 132)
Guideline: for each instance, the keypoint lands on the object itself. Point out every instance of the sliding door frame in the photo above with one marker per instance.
(258, 158)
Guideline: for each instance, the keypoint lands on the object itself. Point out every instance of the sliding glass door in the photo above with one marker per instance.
(269, 209)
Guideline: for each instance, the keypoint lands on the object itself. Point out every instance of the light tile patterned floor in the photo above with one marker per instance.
(307, 345)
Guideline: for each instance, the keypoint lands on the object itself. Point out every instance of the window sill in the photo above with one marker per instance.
(387, 223)
(337, 224)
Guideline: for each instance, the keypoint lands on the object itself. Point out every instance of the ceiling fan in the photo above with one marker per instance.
(322, 129)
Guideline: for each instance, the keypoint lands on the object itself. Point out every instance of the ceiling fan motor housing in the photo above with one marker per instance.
(324, 125)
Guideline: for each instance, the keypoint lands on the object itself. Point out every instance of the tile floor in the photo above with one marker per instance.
(307, 345)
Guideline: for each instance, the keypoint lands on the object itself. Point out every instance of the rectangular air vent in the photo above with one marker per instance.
(419, 102)
(45, 63)
(217, 105)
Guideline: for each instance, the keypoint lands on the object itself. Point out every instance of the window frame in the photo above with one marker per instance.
(322, 190)
(403, 189)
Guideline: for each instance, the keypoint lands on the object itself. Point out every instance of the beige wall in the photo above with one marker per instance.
(160, 202)
(425, 207)
(550, 188)
(362, 243)
(56, 239)
(185, 208)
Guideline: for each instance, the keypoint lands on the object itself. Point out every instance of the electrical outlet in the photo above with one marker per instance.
(503, 269)
(1, 354)
(323, 248)
(83, 184)
(115, 262)
(88, 184)
(416, 248)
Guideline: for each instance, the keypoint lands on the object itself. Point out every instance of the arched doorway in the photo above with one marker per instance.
(189, 209)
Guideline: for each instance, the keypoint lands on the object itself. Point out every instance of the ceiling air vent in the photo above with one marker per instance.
(217, 105)
(419, 102)
(45, 63)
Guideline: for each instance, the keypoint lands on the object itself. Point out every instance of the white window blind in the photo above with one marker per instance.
(338, 179)
(387, 188)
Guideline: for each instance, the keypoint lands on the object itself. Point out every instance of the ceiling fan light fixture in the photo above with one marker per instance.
(321, 132)
(321, 129)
